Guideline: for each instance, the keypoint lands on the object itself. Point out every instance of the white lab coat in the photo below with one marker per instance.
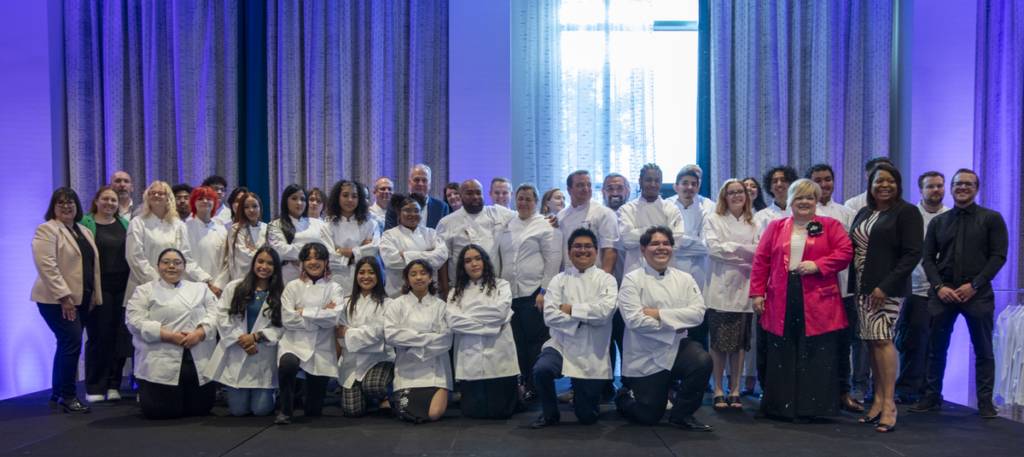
(222, 217)
(639, 215)
(650, 345)
(583, 336)
(363, 345)
(310, 335)
(460, 229)
(599, 219)
(845, 216)
(306, 231)
(484, 347)
(731, 245)
(183, 308)
(240, 257)
(207, 242)
(420, 335)
(414, 245)
(691, 253)
(348, 233)
(230, 365)
(530, 254)
(146, 239)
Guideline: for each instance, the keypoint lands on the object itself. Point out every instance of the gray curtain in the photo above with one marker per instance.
(799, 82)
(151, 90)
(357, 90)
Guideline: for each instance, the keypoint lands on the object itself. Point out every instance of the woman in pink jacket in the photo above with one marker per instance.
(796, 291)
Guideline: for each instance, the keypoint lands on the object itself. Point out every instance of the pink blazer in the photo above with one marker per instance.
(831, 251)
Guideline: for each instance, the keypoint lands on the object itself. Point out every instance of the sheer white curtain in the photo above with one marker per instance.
(586, 86)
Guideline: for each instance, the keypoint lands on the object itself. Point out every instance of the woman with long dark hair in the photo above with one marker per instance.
(246, 234)
(249, 320)
(367, 363)
(409, 241)
(292, 230)
(349, 233)
(754, 193)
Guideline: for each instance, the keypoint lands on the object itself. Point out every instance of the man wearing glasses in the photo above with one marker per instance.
(964, 249)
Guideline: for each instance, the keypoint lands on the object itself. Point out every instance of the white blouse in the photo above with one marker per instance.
(530, 254)
(146, 239)
(484, 347)
(207, 242)
(230, 365)
(420, 335)
(399, 241)
(306, 231)
(639, 215)
(363, 345)
(310, 335)
(460, 229)
(731, 245)
(240, 257)
(348, 233)
(158, 305)
(797, 242)
(582, 336)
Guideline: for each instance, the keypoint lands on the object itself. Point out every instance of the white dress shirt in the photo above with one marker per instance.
(918, 279)
(363, 345)
(845, 216)
(310, 335)
(691, 254)
(223, 216)
(420, 335)
(146, 239)
(769, 214)
(639, 215)
(530, 253)
(731, 245)
(207, 242)
(240, 258)
(399, 241)
(182, 308)
(599, 219)
(484, 348)
(306, 231)
(230, 365)
(583, 335)
(348, 233)
(856, 203)
(126, 213)
(650, 345)
(460, 229)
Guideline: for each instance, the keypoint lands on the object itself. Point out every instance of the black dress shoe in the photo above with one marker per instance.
(690, 424)
(530, 395)
(926, 404)
(542, 422)
(73, 406)
(987, 410)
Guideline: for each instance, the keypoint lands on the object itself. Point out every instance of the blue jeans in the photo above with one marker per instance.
(260, 402)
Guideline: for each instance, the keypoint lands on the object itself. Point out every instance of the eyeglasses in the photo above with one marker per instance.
(967, 184)
(735, 193)
(583, 247)
(410, 212)
(66, 204)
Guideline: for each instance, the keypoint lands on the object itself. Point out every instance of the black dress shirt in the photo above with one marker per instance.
(984, 243)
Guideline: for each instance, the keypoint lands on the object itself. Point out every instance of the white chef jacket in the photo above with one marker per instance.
(363, 345)
(731, 245)
(223, 216)
(484, 348)
(146, 239)
(183, 308)
(460, 229)
(240, 258)
(530, 253)
(691, 253)
(306, 231)
(348, 233)
(583, 336)
(310, 335)
(378, 212)
(420, 335)
(639, 215)
(230, 365)
(856, 203)
(414, 244)
(845, 216)
(650, 345)
(918, 279)
(599, 219)
(207, 242)
(769, 214)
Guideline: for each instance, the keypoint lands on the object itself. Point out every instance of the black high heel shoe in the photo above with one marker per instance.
(883, 428)
(870, 419)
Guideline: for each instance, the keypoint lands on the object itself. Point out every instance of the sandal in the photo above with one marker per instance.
(883, 428)
(719, 400)
(869, 419)
(734, 400)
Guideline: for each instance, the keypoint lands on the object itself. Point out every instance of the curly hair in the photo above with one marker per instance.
(333, 203)
(488, 282)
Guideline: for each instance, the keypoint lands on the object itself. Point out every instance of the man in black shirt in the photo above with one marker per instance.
(963, 251)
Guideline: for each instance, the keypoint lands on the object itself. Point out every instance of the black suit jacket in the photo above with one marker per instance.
(436, 209)
(894, 250)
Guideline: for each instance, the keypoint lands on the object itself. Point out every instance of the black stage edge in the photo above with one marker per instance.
(27, 427)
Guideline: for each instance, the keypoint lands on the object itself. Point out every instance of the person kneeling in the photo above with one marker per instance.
(659, 304)
(367, 364)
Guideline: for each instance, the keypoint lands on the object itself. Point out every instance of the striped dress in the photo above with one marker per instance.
(880, 324)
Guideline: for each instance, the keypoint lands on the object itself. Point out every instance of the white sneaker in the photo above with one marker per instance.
(113, 395)
(94, 398)
(669, 405)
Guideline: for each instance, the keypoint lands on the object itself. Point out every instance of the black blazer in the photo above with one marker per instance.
(436, 209)
(894, 250)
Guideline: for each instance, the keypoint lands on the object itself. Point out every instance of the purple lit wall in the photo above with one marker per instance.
(26, 345)
(942, 129)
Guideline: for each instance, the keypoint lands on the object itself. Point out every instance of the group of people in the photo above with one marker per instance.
(405, 298)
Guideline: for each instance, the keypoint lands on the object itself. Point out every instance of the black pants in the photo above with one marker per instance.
(105, 324)
(692, 368)
(495, 398)
(530, 334)
(188, 398)
(586, 398)
(618, 329)
(846, 337)
(69, 347)
(762, 352)
(912, 332)
(316, 388)
(979, 313)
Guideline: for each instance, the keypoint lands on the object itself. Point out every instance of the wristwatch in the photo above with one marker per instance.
(939, 286)
(975, 285)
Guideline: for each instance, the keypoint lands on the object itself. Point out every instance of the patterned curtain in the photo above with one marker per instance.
(357, 90)
(151, 90)
(799, 82)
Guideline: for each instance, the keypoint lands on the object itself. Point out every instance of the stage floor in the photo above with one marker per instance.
(28, 428)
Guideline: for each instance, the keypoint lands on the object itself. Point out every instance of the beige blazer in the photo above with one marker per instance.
(59, 263)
